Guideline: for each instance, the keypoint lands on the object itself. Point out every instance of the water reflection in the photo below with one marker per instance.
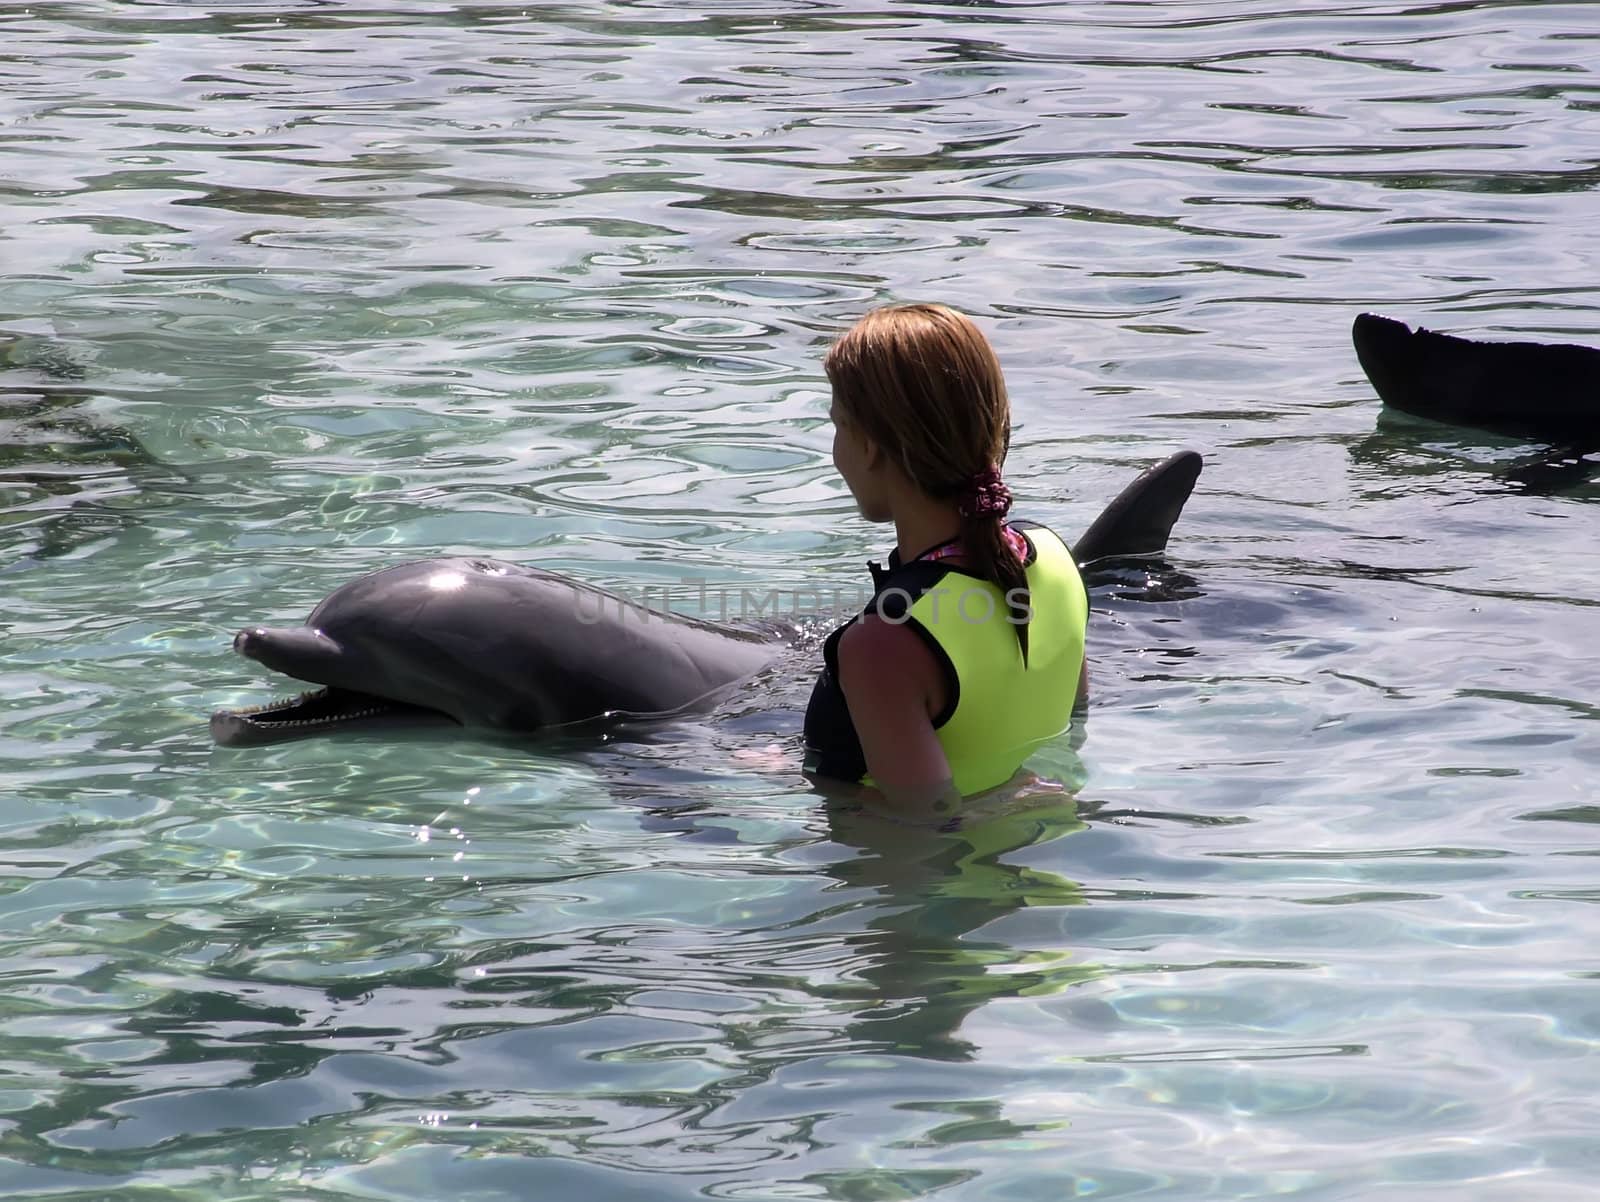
(69, 475)
(1417, 451)
(922, 961)
(570, 1035)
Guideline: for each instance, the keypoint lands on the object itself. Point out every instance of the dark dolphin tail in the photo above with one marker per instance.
(1140, 518)
(1551, 390)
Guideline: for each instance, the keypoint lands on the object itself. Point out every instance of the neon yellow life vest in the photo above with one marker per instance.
(1003, 708)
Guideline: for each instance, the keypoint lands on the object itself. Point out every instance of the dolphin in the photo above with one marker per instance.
(499, 646)
(487, 644)
(1549, 390)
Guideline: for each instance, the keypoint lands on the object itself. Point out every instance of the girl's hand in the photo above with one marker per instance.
(774, 757)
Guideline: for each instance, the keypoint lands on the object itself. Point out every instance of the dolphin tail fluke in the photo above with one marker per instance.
(1385, 350)
(1550, 389)
(1428, 374)
(1140, 518)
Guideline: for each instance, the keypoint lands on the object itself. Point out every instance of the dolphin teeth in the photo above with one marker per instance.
(315, 711)
(281, 704)
(280, 713)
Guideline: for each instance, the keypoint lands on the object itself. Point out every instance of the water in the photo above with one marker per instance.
(294, 290)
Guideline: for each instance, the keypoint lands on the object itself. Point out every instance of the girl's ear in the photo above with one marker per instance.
(871, 452)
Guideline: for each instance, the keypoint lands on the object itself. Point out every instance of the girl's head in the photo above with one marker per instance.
(919, 386)
(923, 384)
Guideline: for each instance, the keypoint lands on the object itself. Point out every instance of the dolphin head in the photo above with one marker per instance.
(482, 644)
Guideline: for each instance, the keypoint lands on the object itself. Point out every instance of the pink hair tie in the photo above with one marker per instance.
(985, 496)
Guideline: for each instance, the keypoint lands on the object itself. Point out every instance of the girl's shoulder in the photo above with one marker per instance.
(884, 662)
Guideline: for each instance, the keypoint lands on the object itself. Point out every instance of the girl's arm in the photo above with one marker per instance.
(893, 687)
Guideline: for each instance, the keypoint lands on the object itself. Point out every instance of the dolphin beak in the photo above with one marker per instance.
(299, 651)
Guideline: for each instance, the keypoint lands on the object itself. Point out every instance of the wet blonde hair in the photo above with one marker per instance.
(924, 384)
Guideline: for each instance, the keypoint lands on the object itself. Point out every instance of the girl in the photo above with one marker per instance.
(970, 653)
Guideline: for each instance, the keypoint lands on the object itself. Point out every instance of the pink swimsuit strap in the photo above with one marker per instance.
(1017, 543)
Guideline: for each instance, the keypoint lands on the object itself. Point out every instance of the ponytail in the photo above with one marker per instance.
(983, 507)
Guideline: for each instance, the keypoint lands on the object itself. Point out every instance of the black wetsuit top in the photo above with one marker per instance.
(832, 746)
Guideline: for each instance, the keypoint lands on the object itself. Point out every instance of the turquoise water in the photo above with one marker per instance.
(292, 291)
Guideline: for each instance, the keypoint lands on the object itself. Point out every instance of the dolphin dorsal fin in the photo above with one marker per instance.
(1140, 518)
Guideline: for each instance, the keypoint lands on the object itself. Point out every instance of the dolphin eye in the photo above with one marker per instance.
(446, 582)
